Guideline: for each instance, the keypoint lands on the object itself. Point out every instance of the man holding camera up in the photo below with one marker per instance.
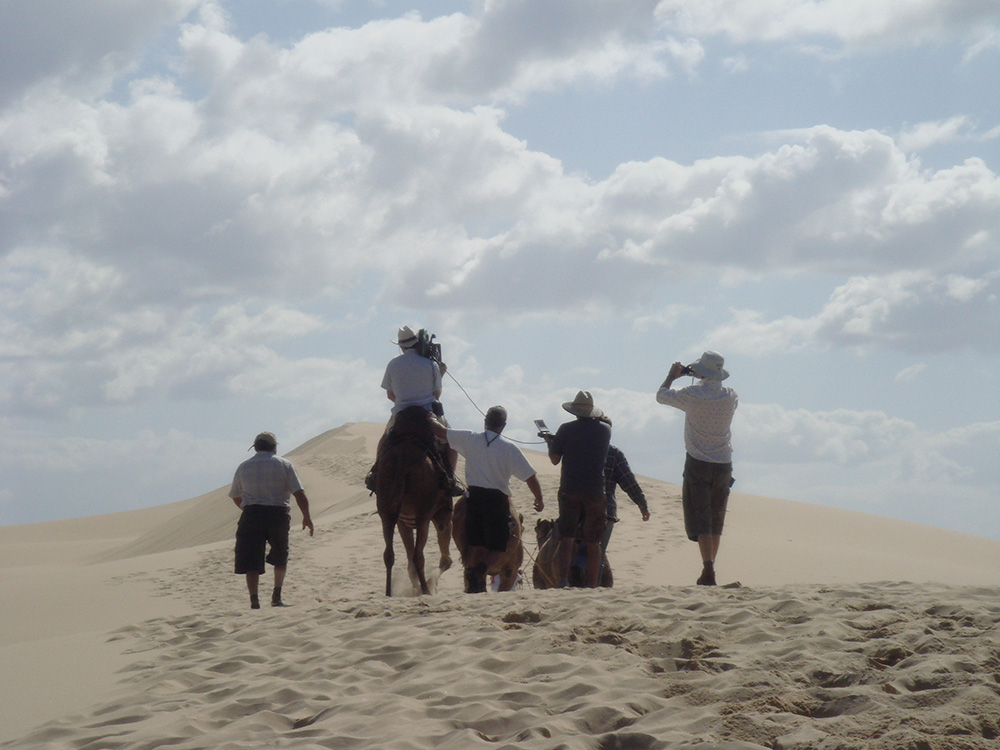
(413, 378)
(708, 470)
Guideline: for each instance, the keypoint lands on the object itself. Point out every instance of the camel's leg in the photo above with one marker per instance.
(442, 523)
(508, 578)
(418, 555)
(389, 556)
(406, 537)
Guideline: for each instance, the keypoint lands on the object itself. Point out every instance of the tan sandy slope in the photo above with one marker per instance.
(129, 630)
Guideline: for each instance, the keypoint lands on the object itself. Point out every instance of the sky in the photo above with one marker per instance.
(215, 215)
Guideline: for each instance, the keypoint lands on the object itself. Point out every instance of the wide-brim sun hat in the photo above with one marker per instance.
(405, 337)
(710, 366)
(583, 406)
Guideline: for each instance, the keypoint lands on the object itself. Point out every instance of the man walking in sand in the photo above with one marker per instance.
(490, 462)
(262, 487)
(708, 470)
(582, 448)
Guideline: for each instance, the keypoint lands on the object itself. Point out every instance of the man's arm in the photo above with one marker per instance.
(439, 430)
(628, 482)
(239, 502)
(555, 452)
(676, 370)
(303, 502)
(536, 490)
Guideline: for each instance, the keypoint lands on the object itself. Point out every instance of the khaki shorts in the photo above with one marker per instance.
(589, 508)
(705, 495)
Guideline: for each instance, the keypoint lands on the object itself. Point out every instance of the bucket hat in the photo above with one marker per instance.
(710, 367)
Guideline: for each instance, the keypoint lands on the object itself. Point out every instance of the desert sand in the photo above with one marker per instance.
(832, 629)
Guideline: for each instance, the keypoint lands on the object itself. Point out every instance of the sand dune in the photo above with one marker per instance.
(845, 631)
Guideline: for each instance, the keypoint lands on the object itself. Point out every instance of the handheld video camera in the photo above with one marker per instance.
(426, 347)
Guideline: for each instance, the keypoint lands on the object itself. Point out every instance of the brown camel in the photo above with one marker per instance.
(508, 563)
(410, 493)
(545, 573)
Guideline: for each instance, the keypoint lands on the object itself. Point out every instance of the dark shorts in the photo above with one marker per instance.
(590, 508)
(705, 495)
(487, 519)
(260, 525)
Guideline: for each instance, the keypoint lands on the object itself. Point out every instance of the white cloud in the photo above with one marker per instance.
(912, 311)
(927, 134)
(80, 44)
(854, 23)
(910, 373)
(871, 462)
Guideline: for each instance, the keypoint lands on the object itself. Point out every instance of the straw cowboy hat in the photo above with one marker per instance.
(583, 406)
(710, 367)
(405, 337)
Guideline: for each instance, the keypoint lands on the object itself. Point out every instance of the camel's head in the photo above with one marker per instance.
(543, 529)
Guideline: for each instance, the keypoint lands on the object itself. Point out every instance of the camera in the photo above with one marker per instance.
(685, 370)
(426, 347)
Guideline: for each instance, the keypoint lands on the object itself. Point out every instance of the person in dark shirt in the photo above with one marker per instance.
(581, 447)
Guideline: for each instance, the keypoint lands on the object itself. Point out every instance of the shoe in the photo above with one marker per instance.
(707, 577)
(276, 599)
(254, 602)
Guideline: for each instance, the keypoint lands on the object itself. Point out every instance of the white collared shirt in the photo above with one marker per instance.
(490, 461)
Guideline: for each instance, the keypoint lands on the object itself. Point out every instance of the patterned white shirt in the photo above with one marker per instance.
(708, 413)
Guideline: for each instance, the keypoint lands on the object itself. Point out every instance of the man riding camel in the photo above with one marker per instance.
(413, 378)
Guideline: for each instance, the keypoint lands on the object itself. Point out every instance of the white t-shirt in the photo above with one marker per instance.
(490, 461)
(412, 379)
(708, 409)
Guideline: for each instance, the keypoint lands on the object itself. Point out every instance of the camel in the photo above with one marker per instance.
(507, 564)
(545, 574)
(410, 493)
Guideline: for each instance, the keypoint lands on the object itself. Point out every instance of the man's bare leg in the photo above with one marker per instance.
(253, 581)
(708, 545)
(594, 560)
(279, 579)
(564, 557)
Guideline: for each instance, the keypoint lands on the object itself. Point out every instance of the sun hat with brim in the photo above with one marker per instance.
(583, 406)
(405, 337)
(710, 367)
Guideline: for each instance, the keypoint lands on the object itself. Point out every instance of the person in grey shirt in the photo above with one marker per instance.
(261, 489)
